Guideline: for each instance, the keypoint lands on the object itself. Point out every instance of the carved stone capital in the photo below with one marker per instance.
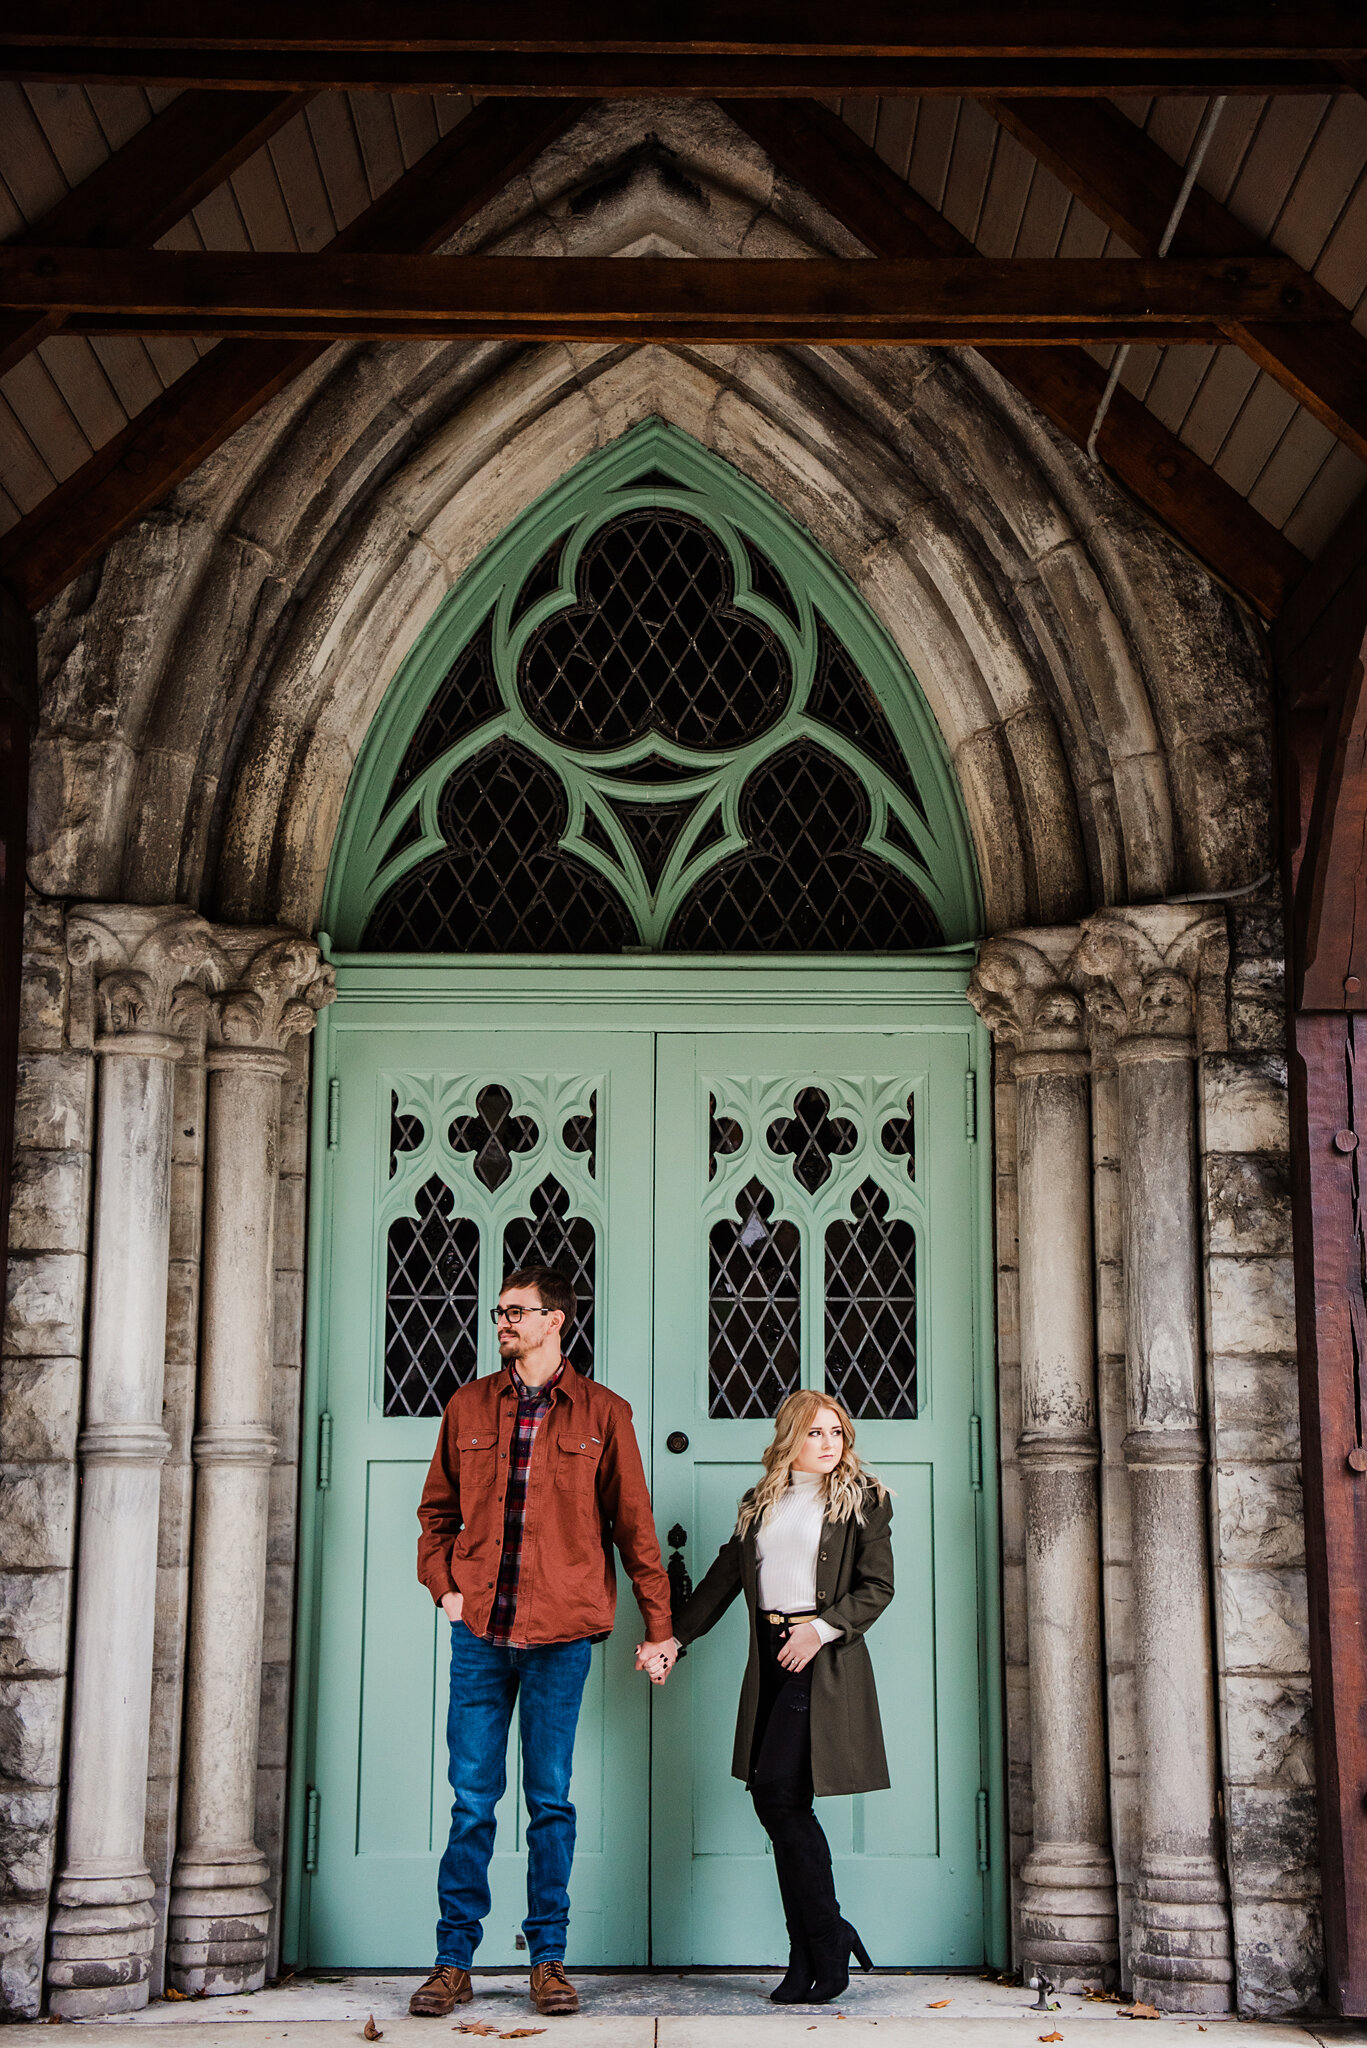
(1021, 988)
(1154, 979)
(276, 995)
(142, 971)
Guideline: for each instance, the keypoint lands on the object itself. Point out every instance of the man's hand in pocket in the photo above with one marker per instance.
(453, 1606)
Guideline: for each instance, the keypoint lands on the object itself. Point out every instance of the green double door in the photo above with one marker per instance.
(755, 1188)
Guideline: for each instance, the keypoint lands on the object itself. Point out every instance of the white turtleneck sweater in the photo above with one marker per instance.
(787, 1544)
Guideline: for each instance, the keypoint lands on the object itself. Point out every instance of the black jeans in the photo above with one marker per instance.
(781, 1787)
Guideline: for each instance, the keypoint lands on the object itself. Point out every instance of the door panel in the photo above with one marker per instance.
(853, 1146)
(438, 1181)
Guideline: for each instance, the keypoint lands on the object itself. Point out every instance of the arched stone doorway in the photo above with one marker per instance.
(639, 912)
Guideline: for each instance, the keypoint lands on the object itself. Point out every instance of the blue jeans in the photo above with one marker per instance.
(486, 1678)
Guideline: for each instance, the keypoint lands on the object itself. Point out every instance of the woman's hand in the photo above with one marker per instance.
(800, 1648)
(657, 1660)
(453, 1606)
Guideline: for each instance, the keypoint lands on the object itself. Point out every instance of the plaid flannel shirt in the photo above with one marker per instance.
(533, 1405)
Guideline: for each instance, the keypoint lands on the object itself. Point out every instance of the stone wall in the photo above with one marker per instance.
(1266, 1804)
(40, 1387)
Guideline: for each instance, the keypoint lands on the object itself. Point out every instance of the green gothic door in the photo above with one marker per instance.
(759, 1178)
(651, 906)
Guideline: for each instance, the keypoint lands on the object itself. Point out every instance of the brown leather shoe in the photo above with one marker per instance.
(441, 1993)
(552, 1991)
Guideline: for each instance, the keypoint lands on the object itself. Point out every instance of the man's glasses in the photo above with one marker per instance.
(513, 1315)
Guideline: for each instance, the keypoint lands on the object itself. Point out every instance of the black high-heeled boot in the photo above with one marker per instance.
(831, 1964)
(796, 1987)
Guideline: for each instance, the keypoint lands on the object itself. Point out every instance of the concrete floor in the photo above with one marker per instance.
(668, 2010)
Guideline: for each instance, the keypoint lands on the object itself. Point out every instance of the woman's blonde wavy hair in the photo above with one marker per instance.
(847, 1488)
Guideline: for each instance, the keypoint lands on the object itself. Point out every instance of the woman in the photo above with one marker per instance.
(812, 1552)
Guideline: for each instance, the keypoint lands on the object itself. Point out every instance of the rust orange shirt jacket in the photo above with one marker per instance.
(586, 1491)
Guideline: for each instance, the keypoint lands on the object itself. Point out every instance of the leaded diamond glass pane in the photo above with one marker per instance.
(754, 1308)
(840, 697)
(898, 1137)
(871, 1310)
(465, 697)
(654, 643)
(580, 1134)
(550, 1236)
(804, 882)
(813, 1136)
(431, 1304)
(406, 1133)
(493, 1134)
(653, 830)
(501, 883)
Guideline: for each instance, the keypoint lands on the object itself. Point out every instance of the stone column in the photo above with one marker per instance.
(1144, 968)
(1068, 1923)
(220, 1912)
(102, 1931)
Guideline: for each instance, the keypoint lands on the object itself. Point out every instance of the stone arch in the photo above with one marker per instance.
(208, 686)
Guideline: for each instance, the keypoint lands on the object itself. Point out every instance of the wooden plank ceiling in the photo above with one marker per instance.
(1291, 171)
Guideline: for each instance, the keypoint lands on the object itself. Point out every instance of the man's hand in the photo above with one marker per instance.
(453, 1606)
(657, 1660)
(800, 1648)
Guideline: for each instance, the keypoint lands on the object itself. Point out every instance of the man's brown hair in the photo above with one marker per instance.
(555, 1289)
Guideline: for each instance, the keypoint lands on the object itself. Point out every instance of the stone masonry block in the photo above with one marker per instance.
(45, 1306)
(1272, 1842)
(28, 1834)
(290, 1222)
(31, 1715)
(1269, 1730)
(289, 1319)
(1279, 1956)
(182, 1310)
(37, 1517)
(286, 1390)
(1260, 1514)
(1265, 1620)
(1244, 1103)
(1110, 1309)
(42, 1006)
(1248, 1202)
(40, 1405)
(1252, 1305)
(23, 1940)
(1257, 1408)
(281, 1528)
(49, 1209)
(187, 1212)
(54, 1104)
(33, 1623)
(277, 1645)
(273, 1740)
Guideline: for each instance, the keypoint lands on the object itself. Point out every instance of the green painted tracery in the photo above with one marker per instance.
(387, 832)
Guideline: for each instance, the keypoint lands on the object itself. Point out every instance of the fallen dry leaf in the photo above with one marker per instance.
(522, 2033)
(938, 2004)
(1055, 2036)
(1140, 2011)
(474, 2027)
(371, 2032)
(172, 1993)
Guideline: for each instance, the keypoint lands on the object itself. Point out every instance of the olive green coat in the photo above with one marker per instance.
(854, 1585)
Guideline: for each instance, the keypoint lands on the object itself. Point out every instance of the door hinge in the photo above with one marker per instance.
(311, 1832)
(975, 1453)
(984, 1858)
(971, 1105)
(334, 1113)
(324, 1451)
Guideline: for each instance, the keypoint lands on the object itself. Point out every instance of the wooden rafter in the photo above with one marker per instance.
(1123, 177)
(609, 46)
(821, 153)
(938, 300)
(150, 184)
(74, 524)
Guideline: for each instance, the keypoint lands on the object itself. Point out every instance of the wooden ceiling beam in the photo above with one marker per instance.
(937, 300)
(605, 47)
(74, 524)
(158, 177)
(1120, 174)
(823, 155)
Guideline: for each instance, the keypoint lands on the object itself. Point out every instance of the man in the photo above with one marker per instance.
(536, 1475)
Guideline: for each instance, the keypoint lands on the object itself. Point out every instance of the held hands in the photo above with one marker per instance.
(657, 1660)
(800, 1648)
(453, 1606)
